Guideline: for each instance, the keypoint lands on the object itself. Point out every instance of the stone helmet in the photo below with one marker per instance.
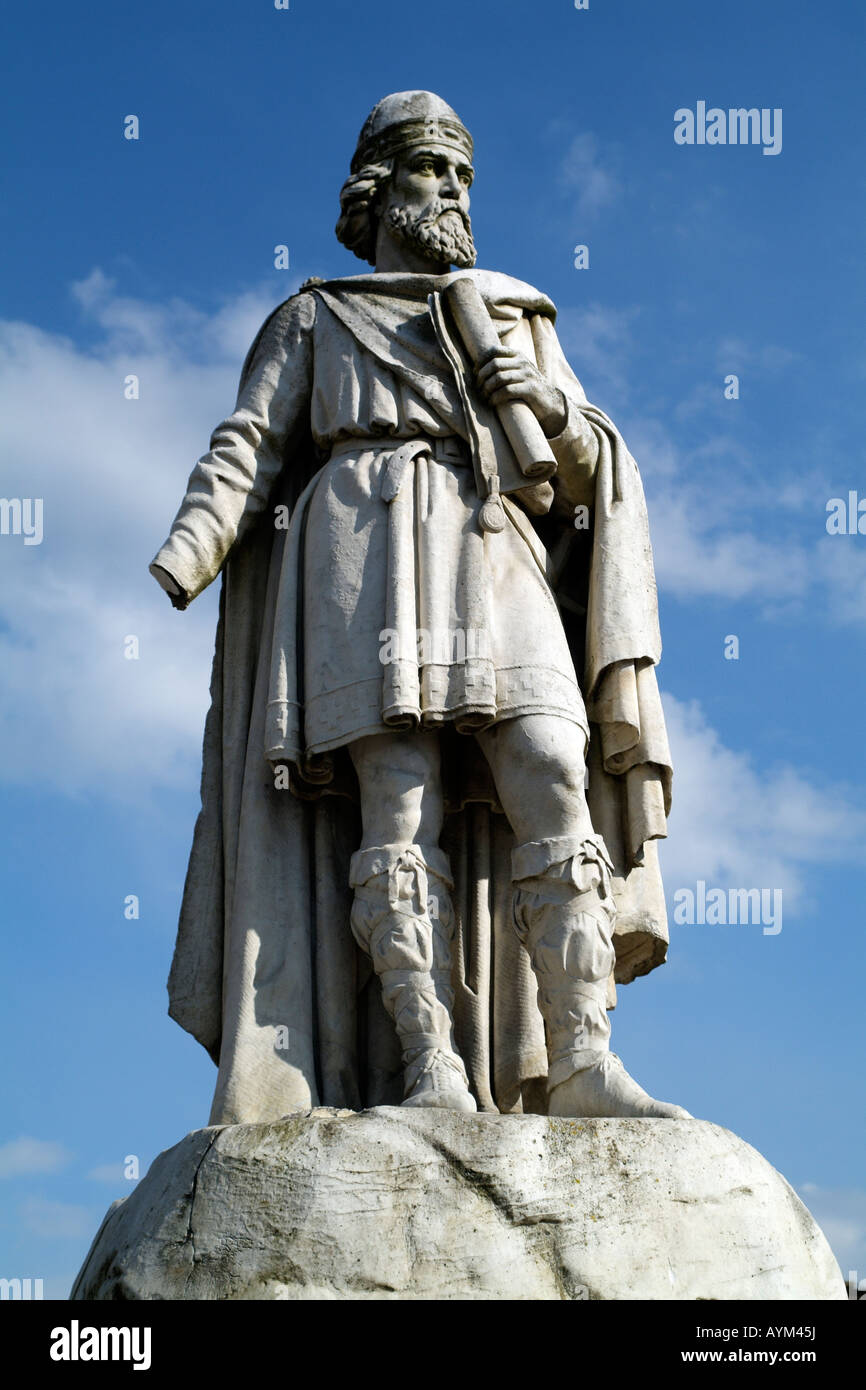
(404, 119)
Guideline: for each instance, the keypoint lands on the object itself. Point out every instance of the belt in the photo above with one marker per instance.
(447, 448)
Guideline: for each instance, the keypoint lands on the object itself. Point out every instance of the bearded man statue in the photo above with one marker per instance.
(435, 764)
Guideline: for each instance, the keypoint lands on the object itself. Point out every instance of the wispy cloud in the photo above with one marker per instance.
(736, 355)
(723, 523)
(733, 824)
(737, 539)
(587, 172)
(25, 1156)
(76, 713)
(174, 329)
(111, 1173)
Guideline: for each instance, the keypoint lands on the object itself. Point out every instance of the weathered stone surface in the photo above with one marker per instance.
(435, 1204)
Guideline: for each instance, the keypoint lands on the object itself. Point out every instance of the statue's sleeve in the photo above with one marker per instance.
(575, 448)
(230, 486)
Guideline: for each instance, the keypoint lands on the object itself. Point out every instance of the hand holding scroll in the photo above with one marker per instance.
(504, 374)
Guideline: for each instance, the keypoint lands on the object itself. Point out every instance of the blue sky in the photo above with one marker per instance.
(155, 257)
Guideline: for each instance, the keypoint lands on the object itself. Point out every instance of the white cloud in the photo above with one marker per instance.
(56, 1220)
(707, 543)
(735, 826)
(841, 567)
(702, 547)
(718, 530)
(723, 524)
(175, 330)
(25, 1156)
(735, 355)
(587, 171)
(111, 1173)
(76, 714)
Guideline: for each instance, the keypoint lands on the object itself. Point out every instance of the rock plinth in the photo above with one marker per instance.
(434, 1204)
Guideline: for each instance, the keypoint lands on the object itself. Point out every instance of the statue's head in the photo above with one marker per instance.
(411, 173)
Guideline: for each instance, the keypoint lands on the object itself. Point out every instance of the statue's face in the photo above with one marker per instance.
(422, 175)
(427, 205)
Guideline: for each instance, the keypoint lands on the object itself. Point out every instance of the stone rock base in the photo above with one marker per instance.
(433, 1204)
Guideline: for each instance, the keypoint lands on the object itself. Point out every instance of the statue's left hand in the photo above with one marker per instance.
(506, 375)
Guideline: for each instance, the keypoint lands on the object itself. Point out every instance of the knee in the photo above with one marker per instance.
(557, 776)
(565, 774)
(401, 792)
(550, 795)
(396, 763)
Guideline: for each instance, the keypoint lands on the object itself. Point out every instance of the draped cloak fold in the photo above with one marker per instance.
(266, 974)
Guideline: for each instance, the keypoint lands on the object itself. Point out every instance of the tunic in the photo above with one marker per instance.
(396, 610)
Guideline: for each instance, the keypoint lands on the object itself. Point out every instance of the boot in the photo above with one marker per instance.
(402, 918)
(564, 913)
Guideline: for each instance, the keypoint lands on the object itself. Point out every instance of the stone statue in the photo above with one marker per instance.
(435, 764)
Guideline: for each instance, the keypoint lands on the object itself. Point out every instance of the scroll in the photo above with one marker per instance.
(476, 328)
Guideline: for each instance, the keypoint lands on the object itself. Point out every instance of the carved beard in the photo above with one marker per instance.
(441, 232)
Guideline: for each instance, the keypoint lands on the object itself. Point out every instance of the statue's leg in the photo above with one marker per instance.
(402, 916)
(564, 913)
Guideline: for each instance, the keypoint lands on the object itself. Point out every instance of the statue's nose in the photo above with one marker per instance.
(450, 185)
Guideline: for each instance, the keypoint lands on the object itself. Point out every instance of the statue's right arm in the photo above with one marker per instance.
(230, 485)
